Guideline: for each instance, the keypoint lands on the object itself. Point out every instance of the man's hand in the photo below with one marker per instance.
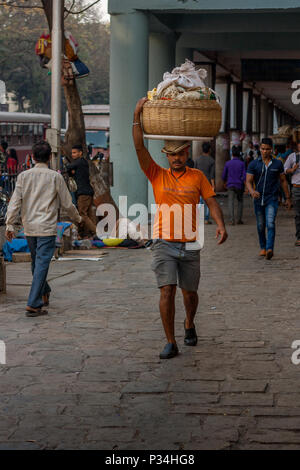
(221, 234)
(288, 203)
(294, 168)
(81, 223)
(139, 107)
(9, 235)
(255, 194)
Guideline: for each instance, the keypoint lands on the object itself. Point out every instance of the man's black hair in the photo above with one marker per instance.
(77, 147)
(236, 151)
(267, 141)
(206, 147)
(4, 145)
(41, 151)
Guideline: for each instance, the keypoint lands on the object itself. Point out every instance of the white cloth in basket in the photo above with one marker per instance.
(185, 76)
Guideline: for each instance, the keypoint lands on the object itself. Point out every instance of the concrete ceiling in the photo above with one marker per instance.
(279, 92)
(226, 38)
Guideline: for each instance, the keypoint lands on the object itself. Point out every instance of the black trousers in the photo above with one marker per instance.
(296, 204)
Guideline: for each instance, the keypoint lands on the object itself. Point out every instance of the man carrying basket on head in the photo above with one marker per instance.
(174, 255)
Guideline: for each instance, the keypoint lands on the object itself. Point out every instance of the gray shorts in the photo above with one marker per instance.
(172, 263)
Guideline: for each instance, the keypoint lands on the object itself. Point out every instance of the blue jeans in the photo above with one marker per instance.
(265, 219)
(206, 209)
(42, 250)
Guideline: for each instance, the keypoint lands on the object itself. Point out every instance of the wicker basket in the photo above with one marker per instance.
(279, 139)
(200, 118)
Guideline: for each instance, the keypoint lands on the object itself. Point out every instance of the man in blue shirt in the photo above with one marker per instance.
(267, 174)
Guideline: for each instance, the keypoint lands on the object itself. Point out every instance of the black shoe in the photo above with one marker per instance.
(190, 338)
(269, 254)
(170, 350)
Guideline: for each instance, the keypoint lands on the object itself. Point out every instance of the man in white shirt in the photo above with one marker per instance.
(291, 167)
(38, 194)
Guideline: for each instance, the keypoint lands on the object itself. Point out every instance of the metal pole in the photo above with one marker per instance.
(56, 37)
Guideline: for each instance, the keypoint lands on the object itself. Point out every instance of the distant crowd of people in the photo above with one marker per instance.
(8, 158)
(269, 173)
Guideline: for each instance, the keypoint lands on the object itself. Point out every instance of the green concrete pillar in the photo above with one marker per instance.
(161, 60)
(128, 83)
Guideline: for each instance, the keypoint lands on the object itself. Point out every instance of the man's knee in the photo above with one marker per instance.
(168, 292)
(190, 296)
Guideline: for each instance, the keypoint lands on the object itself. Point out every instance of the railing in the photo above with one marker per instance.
(8, 178)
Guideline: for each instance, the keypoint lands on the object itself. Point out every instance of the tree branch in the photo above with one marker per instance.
(65, 9)
(81, 11)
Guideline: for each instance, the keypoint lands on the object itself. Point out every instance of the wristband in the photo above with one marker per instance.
(136, 123)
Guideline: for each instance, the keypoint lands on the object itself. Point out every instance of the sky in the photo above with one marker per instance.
(103, 8)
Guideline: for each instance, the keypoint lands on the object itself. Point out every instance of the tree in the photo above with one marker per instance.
(28, 81)
(20, 75)
(76, 129)
(18, 63)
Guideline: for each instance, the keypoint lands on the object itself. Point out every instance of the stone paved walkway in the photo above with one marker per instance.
(88, 376)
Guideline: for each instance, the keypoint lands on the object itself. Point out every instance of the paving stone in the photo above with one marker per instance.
(288, 399)
(111, 435)
(207, 410)
(145, 387)
(247, 399)
(89, 375)
(280, 423)
(194, 386)
(194, 398)
(244, 386)
(271, 436)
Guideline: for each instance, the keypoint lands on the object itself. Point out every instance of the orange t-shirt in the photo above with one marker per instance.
(183, 193)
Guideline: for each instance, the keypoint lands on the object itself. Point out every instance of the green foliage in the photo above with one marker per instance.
(93, 38)
(19, 66)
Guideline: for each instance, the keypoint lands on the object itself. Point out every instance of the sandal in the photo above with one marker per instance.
(35, 312)
(46, 298)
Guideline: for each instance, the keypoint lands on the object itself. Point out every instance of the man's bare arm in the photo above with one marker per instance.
(285, 187)
(137, 133)
(249, 185)
(217, 215)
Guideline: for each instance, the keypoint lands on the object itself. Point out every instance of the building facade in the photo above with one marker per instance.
(250, 50)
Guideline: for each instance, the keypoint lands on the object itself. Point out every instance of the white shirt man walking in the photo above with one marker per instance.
(38, 194)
